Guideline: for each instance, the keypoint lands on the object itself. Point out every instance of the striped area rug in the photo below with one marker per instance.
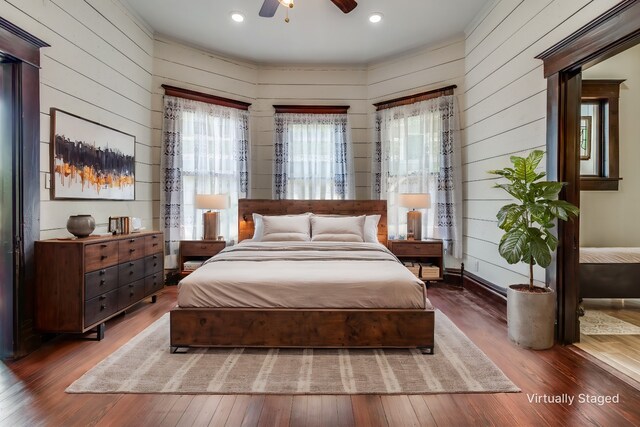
(145, 365)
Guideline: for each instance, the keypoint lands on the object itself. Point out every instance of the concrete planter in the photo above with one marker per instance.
(531, 318)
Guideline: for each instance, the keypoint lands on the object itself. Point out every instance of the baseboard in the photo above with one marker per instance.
(484, 288)
(453, 276)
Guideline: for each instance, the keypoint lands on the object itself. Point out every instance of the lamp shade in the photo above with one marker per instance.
(415, 201)
(212, 201)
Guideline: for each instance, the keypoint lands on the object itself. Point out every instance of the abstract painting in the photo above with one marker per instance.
(89, 160)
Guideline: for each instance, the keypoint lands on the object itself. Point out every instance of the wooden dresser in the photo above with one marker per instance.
(80, 283)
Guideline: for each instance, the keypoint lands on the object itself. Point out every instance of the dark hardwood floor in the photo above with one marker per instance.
(32, 389)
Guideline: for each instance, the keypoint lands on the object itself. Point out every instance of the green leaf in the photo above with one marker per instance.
(509, 216)
(547, 189)
(539, 248)
(512, 245)
(551, 241)
(534, 158)
(562, 209)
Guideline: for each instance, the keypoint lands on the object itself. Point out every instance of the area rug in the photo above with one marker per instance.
(595, 322)
(145, 365)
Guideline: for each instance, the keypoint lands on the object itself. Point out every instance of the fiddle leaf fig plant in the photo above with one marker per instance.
(528, 222)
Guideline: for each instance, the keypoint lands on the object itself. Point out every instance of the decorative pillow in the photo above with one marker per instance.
(285, 228)
(371, 228)
(338, 228)
(258, 228)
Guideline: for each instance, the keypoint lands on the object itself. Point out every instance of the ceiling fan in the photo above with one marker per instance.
(269, 7)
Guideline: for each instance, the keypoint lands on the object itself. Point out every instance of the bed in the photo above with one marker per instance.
(303, 294)
(609, 272)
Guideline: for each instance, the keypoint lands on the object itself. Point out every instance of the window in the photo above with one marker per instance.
(205, 151)
(313, 157)
(599, 167)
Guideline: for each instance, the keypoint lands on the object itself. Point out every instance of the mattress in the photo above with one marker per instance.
(609, 255)
(303, 275)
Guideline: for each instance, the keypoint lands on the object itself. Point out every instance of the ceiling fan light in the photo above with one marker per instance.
(374, 18)
(237, 17)
(286, 3)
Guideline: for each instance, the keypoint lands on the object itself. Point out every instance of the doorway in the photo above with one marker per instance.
(613, 32)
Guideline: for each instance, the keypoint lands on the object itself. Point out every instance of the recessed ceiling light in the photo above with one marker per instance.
(237, 16)
(375, 17)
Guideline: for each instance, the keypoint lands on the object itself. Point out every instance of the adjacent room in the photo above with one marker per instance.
(319, 212)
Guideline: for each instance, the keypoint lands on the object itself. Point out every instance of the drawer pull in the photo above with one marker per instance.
(132, 250)
(103, 257)
(103, 306)
(154, 276)
(103, 272)
(155, 257)
(203, 247)
(155, 244)
(154, 236)
(132, 240)
(130, 294)
(130, 273)
(131, 264)
(131, 286)
(103, 245)
(102, 297)
(102, 282)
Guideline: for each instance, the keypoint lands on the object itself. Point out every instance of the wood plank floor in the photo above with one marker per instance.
(621, 352)
(32, 389)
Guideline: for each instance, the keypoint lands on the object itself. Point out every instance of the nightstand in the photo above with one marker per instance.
(422, 251)
(197, 250)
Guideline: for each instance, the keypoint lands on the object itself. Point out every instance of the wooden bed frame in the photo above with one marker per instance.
(264, 327)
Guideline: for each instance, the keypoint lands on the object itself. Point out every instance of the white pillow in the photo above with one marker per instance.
(338, 228)
(258, 228)
(286, 228)
(371, 228)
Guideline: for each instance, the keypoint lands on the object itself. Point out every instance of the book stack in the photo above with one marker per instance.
(414, 267)
(192, 265)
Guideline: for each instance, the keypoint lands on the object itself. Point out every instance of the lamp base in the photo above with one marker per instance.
(211, 225)
(414, 225)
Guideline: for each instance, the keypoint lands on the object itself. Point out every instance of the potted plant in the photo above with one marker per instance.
(528, 238)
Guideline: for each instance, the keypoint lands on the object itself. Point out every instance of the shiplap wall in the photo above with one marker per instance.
(268, 85)
(505, 110)
(98, 67)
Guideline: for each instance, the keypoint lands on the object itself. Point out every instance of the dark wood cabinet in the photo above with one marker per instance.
(81, 283)
(198, 250)
(421, 251)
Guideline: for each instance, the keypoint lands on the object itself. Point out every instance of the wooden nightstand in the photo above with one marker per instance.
(423, 251)
(198, 250)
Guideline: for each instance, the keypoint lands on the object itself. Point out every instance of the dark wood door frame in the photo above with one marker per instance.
(611, 33)
(23, 49)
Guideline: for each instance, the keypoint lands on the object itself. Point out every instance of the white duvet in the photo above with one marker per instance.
(303, 275)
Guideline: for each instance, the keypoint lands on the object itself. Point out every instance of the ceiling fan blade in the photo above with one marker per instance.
(269, 8)
(345, 5)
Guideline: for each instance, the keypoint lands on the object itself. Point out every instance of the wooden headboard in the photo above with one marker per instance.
(247, 207)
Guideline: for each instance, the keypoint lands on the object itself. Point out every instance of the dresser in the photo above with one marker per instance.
(81, 283)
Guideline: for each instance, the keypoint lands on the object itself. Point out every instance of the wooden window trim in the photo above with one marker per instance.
(605, 92)
(418, 97)
(204, 97)
(312, 109)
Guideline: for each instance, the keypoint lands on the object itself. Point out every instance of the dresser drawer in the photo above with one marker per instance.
(196, 248)
(130, 294)
(100, 281)
(416, 249)
(153, 283)
(153, 244)
(130, 271)
(100, 255)
(153, 264)
(100, 307)
(131, 248)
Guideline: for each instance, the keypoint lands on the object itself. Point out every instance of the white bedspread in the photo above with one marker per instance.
(303, 275)
(609, 255)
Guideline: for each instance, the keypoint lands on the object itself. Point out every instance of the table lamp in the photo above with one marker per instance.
(414, 217)
(211, 218)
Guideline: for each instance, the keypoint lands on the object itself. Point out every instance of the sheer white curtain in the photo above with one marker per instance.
(313, 157)
(205, 151)
(418, 151)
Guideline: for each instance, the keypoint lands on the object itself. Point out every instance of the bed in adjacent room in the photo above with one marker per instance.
(609, 272)
(284, 288)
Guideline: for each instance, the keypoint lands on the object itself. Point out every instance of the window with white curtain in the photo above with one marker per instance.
(205, 151)
(313, 158)
(417, 150)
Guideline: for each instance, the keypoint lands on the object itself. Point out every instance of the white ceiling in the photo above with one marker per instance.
(318, 32)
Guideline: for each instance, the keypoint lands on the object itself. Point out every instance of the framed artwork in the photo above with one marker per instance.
(90, 161)
(585, 137)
